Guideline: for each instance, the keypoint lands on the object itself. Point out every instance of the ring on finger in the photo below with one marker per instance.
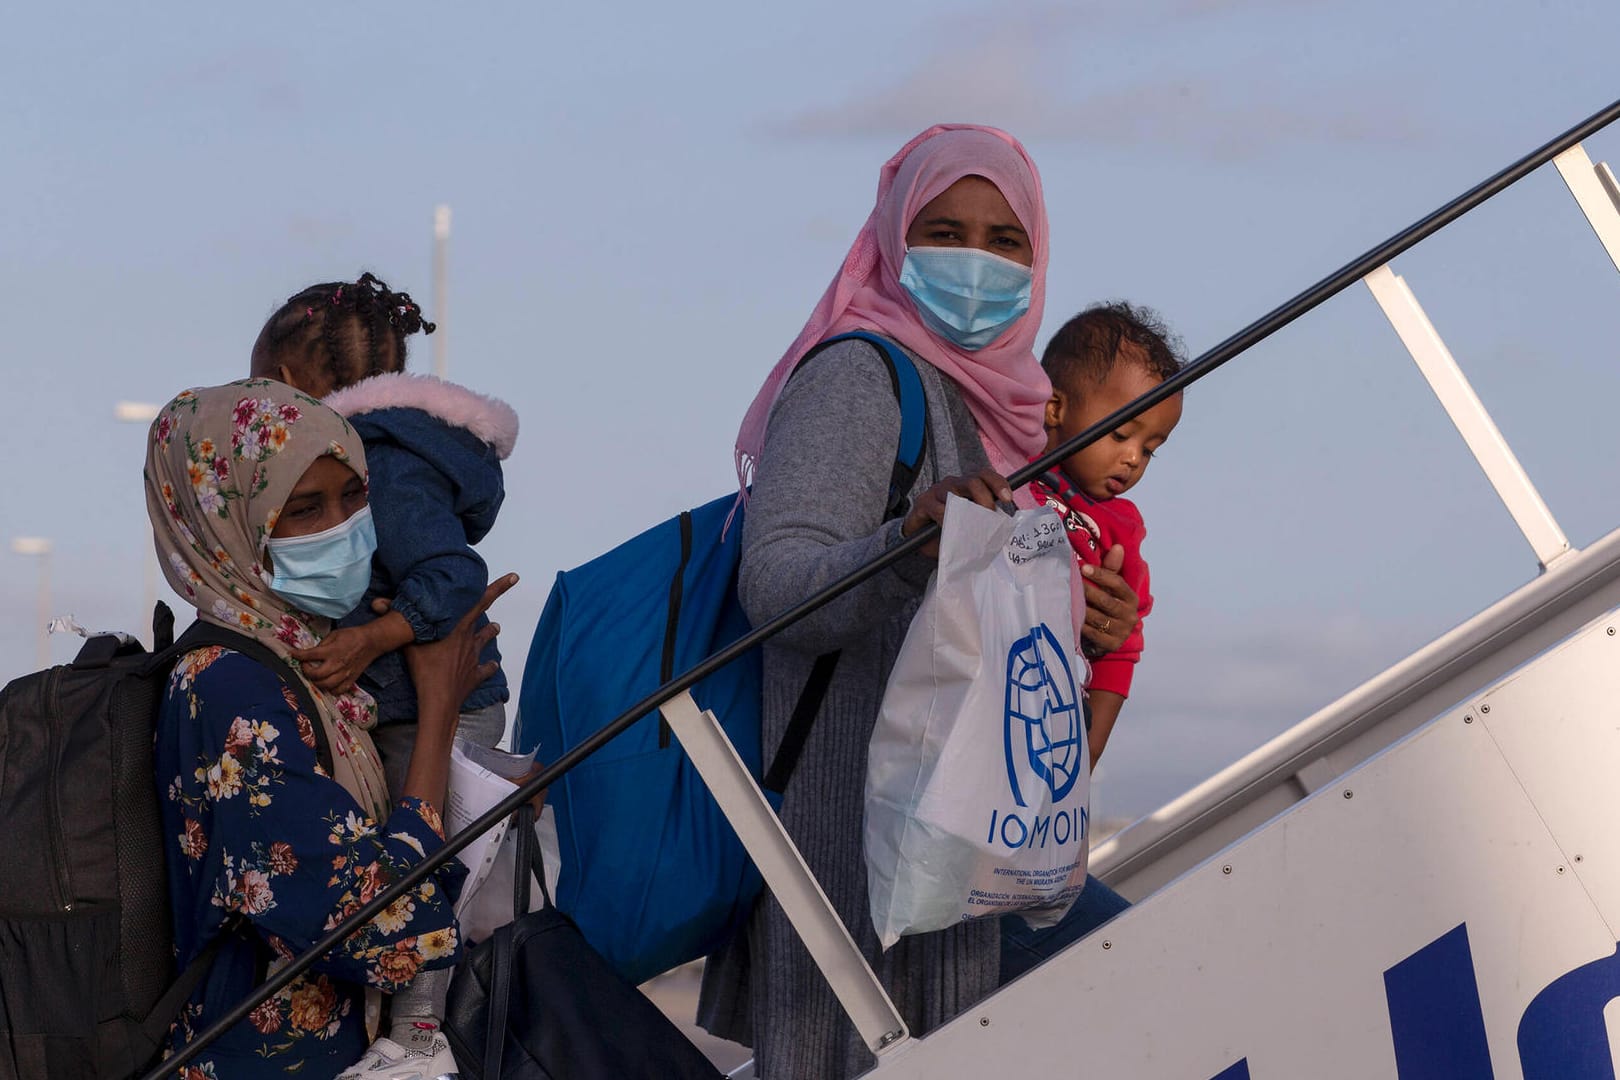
(1106, 623)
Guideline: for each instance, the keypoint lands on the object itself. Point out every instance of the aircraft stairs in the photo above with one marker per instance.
(1419, 881)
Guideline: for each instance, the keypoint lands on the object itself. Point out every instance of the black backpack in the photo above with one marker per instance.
(87, 982)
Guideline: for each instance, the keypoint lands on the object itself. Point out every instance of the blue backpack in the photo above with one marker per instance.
(652, 872)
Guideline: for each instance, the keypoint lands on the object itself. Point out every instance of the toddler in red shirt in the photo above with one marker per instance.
(1100, 361)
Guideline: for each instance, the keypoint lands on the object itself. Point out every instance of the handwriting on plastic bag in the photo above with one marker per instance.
(1040, 534)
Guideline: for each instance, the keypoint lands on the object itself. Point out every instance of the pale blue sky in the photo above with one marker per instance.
(649, 198)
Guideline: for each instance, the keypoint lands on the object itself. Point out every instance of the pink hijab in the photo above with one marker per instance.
(1003, 383)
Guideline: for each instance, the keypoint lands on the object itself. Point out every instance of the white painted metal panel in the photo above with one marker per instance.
(1275, 953)
(785, 873)
(1485, 441)
(1593, 188)
(1578, 795)
(1462, 663)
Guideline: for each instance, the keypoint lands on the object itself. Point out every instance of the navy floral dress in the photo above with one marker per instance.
(271, 852)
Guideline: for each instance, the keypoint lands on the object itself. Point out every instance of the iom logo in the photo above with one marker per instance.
(1437, 1021)
(1045, 726)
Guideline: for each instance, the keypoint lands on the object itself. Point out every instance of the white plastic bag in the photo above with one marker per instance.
(487, 904)
(479, 778)
(978, 779)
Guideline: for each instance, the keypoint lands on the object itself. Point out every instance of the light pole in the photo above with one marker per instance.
(141, 412)
(135, 412)
(441, 282)
(39, 547)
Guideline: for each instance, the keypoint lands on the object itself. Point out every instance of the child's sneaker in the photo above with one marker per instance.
(388, 1060)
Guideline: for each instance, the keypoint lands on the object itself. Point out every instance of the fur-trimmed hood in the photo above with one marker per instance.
(491, 420)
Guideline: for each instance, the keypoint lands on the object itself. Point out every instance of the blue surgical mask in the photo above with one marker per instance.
(965, 295)
(325, 573)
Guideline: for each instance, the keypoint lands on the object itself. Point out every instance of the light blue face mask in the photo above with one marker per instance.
(965, 295)
(325, 573)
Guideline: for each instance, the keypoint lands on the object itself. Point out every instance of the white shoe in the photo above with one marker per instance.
(387, 1060)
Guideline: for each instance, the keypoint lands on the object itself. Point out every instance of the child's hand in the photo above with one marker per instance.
(337, 662)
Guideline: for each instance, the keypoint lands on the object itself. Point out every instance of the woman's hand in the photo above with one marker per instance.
(1110, 605)
(539, 801)
(447, 670)
(987, 487)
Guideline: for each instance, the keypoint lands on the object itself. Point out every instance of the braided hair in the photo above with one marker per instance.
(347, 331)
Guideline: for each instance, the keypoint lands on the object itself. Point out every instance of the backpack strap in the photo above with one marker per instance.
(200, 635)
(908, 391)
(156, 1025)
(162, 626)
(503, 948)
(799, 725)
(672, 624)
(913, 401)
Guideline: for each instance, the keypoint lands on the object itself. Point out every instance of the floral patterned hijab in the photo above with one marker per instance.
(221, 463)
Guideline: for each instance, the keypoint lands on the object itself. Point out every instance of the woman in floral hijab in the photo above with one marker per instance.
(270, 850)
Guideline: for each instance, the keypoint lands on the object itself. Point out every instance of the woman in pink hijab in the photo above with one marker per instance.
(951, 265)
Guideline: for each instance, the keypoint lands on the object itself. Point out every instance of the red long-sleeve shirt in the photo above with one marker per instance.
(1094, 527)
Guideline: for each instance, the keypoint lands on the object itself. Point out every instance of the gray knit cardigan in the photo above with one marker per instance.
(815, 514)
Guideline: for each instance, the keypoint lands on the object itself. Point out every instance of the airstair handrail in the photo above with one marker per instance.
(1206, 363)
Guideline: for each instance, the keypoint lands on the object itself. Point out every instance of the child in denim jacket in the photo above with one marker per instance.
(434, 450)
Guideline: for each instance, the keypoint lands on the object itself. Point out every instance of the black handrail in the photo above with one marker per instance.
(1239, 342)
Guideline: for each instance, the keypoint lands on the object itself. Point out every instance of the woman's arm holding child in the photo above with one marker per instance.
(444, 673)
(1105, 706)
(1112, 673)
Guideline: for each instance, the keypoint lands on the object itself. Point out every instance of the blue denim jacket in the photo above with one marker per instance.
(434, 452)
